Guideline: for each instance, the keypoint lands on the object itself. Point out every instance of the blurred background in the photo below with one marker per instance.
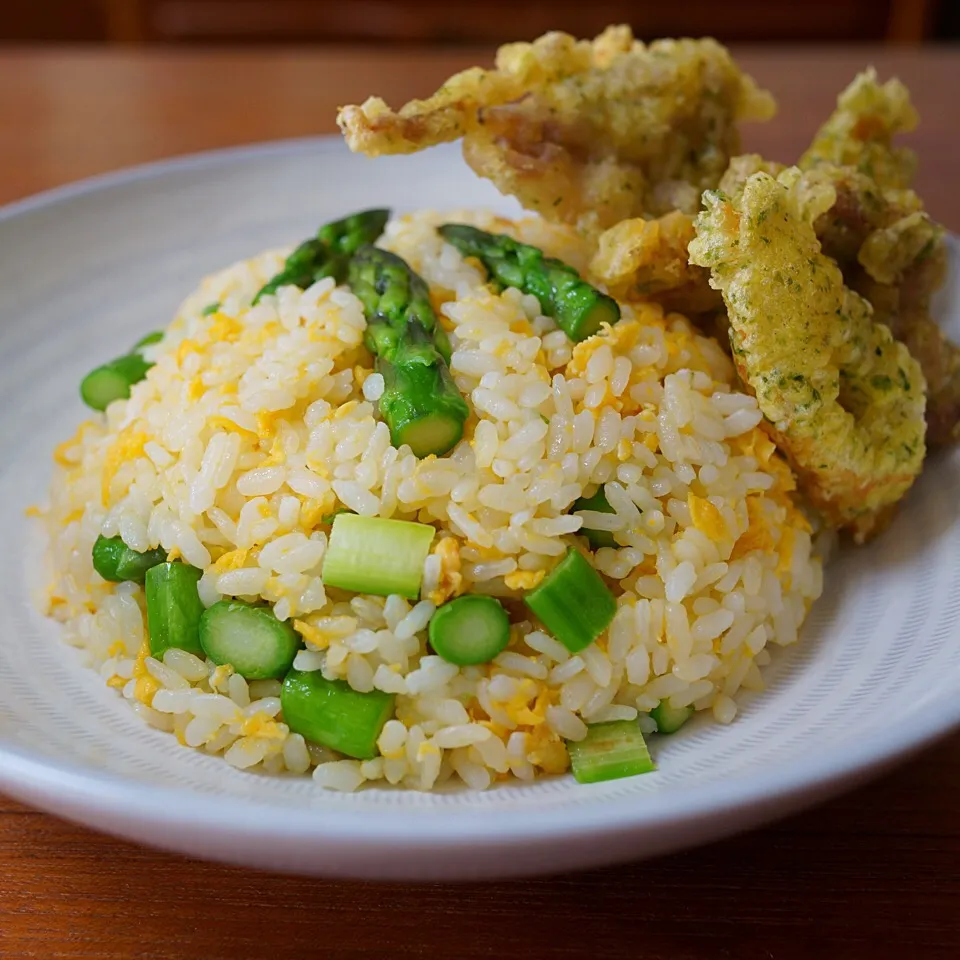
(399, 22)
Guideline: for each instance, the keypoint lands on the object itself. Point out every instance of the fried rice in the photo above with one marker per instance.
(256, 423)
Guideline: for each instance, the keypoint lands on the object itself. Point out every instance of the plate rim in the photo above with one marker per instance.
(65, 787)
(134, 173)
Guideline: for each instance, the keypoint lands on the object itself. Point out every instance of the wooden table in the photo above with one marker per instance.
(875, 874)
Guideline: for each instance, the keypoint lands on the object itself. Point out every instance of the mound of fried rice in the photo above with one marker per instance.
(256, 423)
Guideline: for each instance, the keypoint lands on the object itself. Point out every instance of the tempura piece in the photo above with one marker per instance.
(587, 133)
(859, 133)
(904, 306)
(894, 254)
(862, 210)
(647, 260)
(842, 398)
(891, 253)
(890, 250)
(640, 259)
(741, 168)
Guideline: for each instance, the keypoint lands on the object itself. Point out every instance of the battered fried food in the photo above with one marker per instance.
(588, 133)
(890, 250)
(741, 168)
(641, 259)
(842, 398)
(892, 253)
(859, 133)
(904, 306)
(647, 260)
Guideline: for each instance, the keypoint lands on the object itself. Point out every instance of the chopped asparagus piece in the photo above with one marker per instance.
(328, 253)
(470, 630)
(670, 719)
(578, 307)
(147, 341)
(598, 504)
(610, 751)
(573, 602)
(371, 555)
(113, 381)
(332, 713)
(420, 402)
(174, 608)
(115, 561)
(250, 638)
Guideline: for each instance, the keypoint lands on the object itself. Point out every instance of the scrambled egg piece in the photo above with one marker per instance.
(225, 328)
(185, 349)
(451, 580)
(233, 560)
(62, 451)
(757, 536)
(641, 259)
(223, 423)
(707, 518)
(145, 685)
(260, 725)
(312, 512)
(313, 635)
(620, 337)
(220, 676)
(547, 750)
(544, 748)
(128, 445)
(524, 579)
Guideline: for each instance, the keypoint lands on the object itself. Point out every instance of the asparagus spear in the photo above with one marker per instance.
(420, 402)
(578, 307)
(327, 254)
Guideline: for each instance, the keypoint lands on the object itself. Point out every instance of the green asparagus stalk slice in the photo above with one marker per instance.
(328, 253)
(670, 719)
(598, 504)
(333, 714)
(147, 341)
(115, 561)
(327, 518)
(578, 307)
(174, 608)
(573, 602)
(371, 555)
(420, 402)
(113, 381)
(470, 630)
(610, 751)
(250, 638)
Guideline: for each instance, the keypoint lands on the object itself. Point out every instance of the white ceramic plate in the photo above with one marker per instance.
(85, 270)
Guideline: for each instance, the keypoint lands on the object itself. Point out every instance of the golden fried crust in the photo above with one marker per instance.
(894, 255)
(741, 168)
(904, 306)
(862, 209)
(844, 400)
(583, 132)
(860, 131)
(374, 129)
(647, 260)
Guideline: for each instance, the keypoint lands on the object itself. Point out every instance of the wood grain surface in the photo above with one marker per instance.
(875, 874)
